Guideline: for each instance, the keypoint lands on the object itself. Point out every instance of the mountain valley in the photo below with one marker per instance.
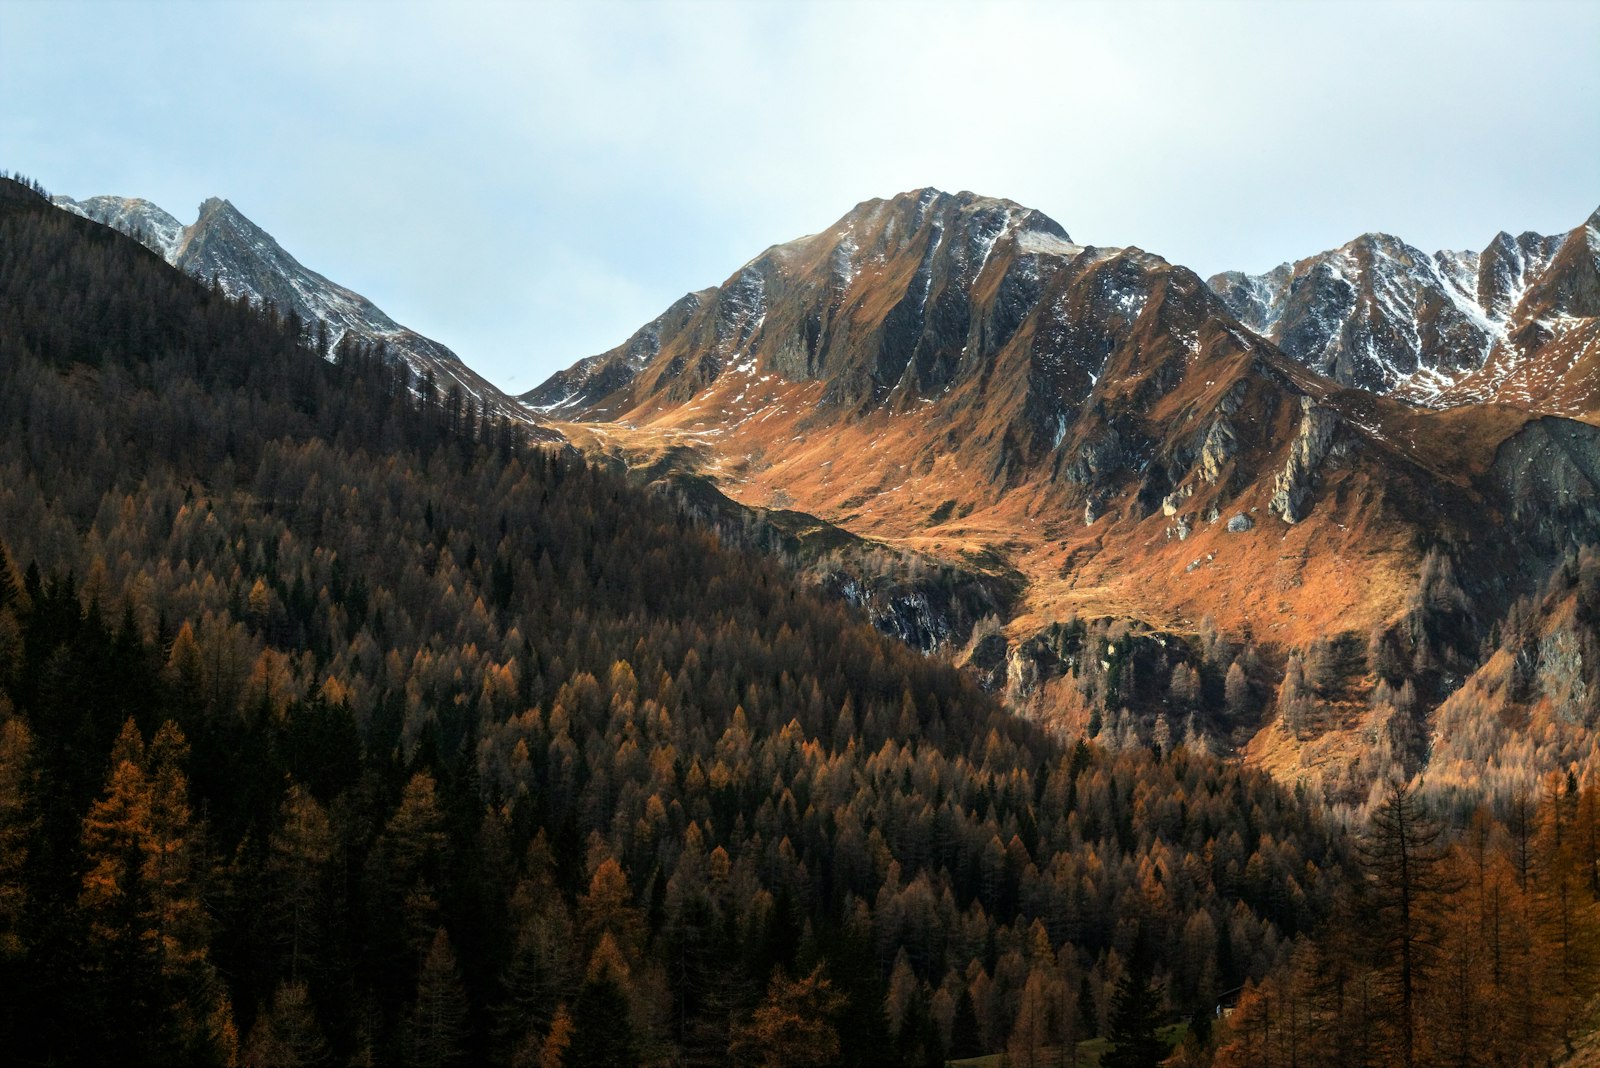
(434, 737)
(1115, 585)
(1020, 453)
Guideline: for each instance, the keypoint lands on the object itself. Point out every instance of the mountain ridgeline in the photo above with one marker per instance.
(1516, 322)
(246, 261)
(1208, 483)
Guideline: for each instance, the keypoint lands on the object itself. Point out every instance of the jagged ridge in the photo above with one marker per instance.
(223, 244)
(954, 376)
(1513, 323)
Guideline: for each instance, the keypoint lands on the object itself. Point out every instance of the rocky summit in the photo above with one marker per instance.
(1515, 322)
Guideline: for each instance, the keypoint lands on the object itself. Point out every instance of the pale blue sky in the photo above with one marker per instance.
(528, 183)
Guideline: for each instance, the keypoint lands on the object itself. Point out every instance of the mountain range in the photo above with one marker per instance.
(953, 376)
(415, 740)
(1515, 323)
(1061, 436)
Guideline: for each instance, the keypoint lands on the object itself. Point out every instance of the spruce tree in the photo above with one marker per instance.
(601, 1033)
(287, 1035)
(964, 1038)
(300, 852)
(1088, 1016)
(1135, 1015)
(436, 1028)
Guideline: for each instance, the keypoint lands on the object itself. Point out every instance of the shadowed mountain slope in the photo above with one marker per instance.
(332, 728)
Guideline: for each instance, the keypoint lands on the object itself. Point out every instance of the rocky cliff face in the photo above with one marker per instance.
(1514, 323)
(1549, 472)
(1376, 313)
(1291, 491)
(952, 376)
(891, 304)
(245, 260)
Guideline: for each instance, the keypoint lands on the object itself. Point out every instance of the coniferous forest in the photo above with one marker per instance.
(342, 723)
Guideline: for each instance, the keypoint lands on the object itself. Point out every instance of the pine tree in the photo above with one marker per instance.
(1088, 1015)
(1294, 704)
(553, 1052)
(607, 908)
(178, 917)
(602, 1018)
(1236, 690)
(1036, 1025)
(142, 897)
(965, 1040)
(287, 1035)
(114, 900)
(794, 1027)
(301, 850)
(1135, 1015)
(1403, 855)
(405, 869)
(17, 823)
(436, 1027)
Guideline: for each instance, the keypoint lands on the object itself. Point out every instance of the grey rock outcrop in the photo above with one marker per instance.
(1022, 673)
(1098, 459)
(1174, 500)
(1549, 476)
(1218, 448)
(1291, 494)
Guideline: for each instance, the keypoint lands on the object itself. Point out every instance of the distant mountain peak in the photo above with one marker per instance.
(226, 245)
(220, 208)
(1517, 323)
(916, 207)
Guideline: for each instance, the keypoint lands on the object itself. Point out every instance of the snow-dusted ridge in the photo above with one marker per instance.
(1381, 315)
(246, 261)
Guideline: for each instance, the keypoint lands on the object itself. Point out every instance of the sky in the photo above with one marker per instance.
(529, 183)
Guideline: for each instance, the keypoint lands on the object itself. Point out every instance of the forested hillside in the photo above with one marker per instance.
(339, 725)
(1470, 948)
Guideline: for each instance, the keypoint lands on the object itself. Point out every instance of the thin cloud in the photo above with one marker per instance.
(530, 182)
